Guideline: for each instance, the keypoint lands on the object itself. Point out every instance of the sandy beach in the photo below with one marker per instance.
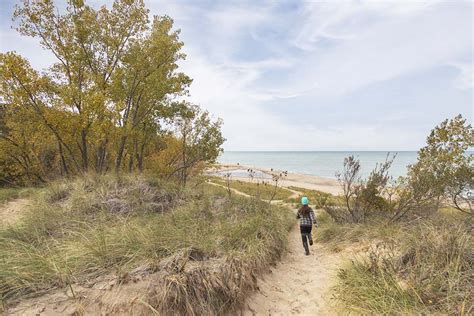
(292, 179)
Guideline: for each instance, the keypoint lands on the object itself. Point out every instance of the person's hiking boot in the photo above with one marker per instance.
(310, 238)
(306, 248)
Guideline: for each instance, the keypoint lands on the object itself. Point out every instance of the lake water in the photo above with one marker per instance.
(318, 163)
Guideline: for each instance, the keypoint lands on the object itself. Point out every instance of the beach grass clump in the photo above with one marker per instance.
(347, 235)
(78, 230)
(224, 283)
(425, 268)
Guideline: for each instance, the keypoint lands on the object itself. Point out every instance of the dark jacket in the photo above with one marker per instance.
(307, 219)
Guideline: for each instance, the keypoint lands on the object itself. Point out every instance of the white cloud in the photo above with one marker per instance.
(366, 43)
(384, 41)
(323, 50)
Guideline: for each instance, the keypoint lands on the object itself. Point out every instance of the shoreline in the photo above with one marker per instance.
(300, 180)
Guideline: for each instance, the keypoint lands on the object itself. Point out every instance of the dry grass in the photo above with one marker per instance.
(340, 236)
(316, 198)
(216, 287)
(7, 194)
(426, 266)
(82, 229)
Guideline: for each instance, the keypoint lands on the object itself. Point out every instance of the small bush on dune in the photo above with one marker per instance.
(442, 174)
(374, 198)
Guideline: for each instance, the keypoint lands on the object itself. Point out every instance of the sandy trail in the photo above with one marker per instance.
(299, 284)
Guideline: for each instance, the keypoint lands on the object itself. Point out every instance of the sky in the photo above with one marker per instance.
(316, 75)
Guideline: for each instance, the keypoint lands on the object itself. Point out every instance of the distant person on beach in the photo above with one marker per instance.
(307, 219)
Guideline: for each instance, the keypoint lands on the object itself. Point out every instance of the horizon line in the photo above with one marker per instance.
(352, 150)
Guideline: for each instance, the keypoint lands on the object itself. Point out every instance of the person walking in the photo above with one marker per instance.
(307, 218)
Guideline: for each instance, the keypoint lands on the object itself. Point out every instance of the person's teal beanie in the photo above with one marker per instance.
(304, 200)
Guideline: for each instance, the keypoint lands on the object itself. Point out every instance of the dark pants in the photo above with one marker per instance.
(306, 236)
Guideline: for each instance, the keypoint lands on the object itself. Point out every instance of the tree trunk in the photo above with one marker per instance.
(133, 155)
(130, 163)
(140, 157)
(101, 156)
(85, 158)
(118, 160)
(63, 160)
(184, 171)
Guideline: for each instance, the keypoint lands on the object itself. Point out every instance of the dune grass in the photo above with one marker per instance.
(420, 267)
(340, 236)
(78, 230)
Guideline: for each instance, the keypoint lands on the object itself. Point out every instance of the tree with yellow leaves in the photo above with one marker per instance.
(113, 90)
